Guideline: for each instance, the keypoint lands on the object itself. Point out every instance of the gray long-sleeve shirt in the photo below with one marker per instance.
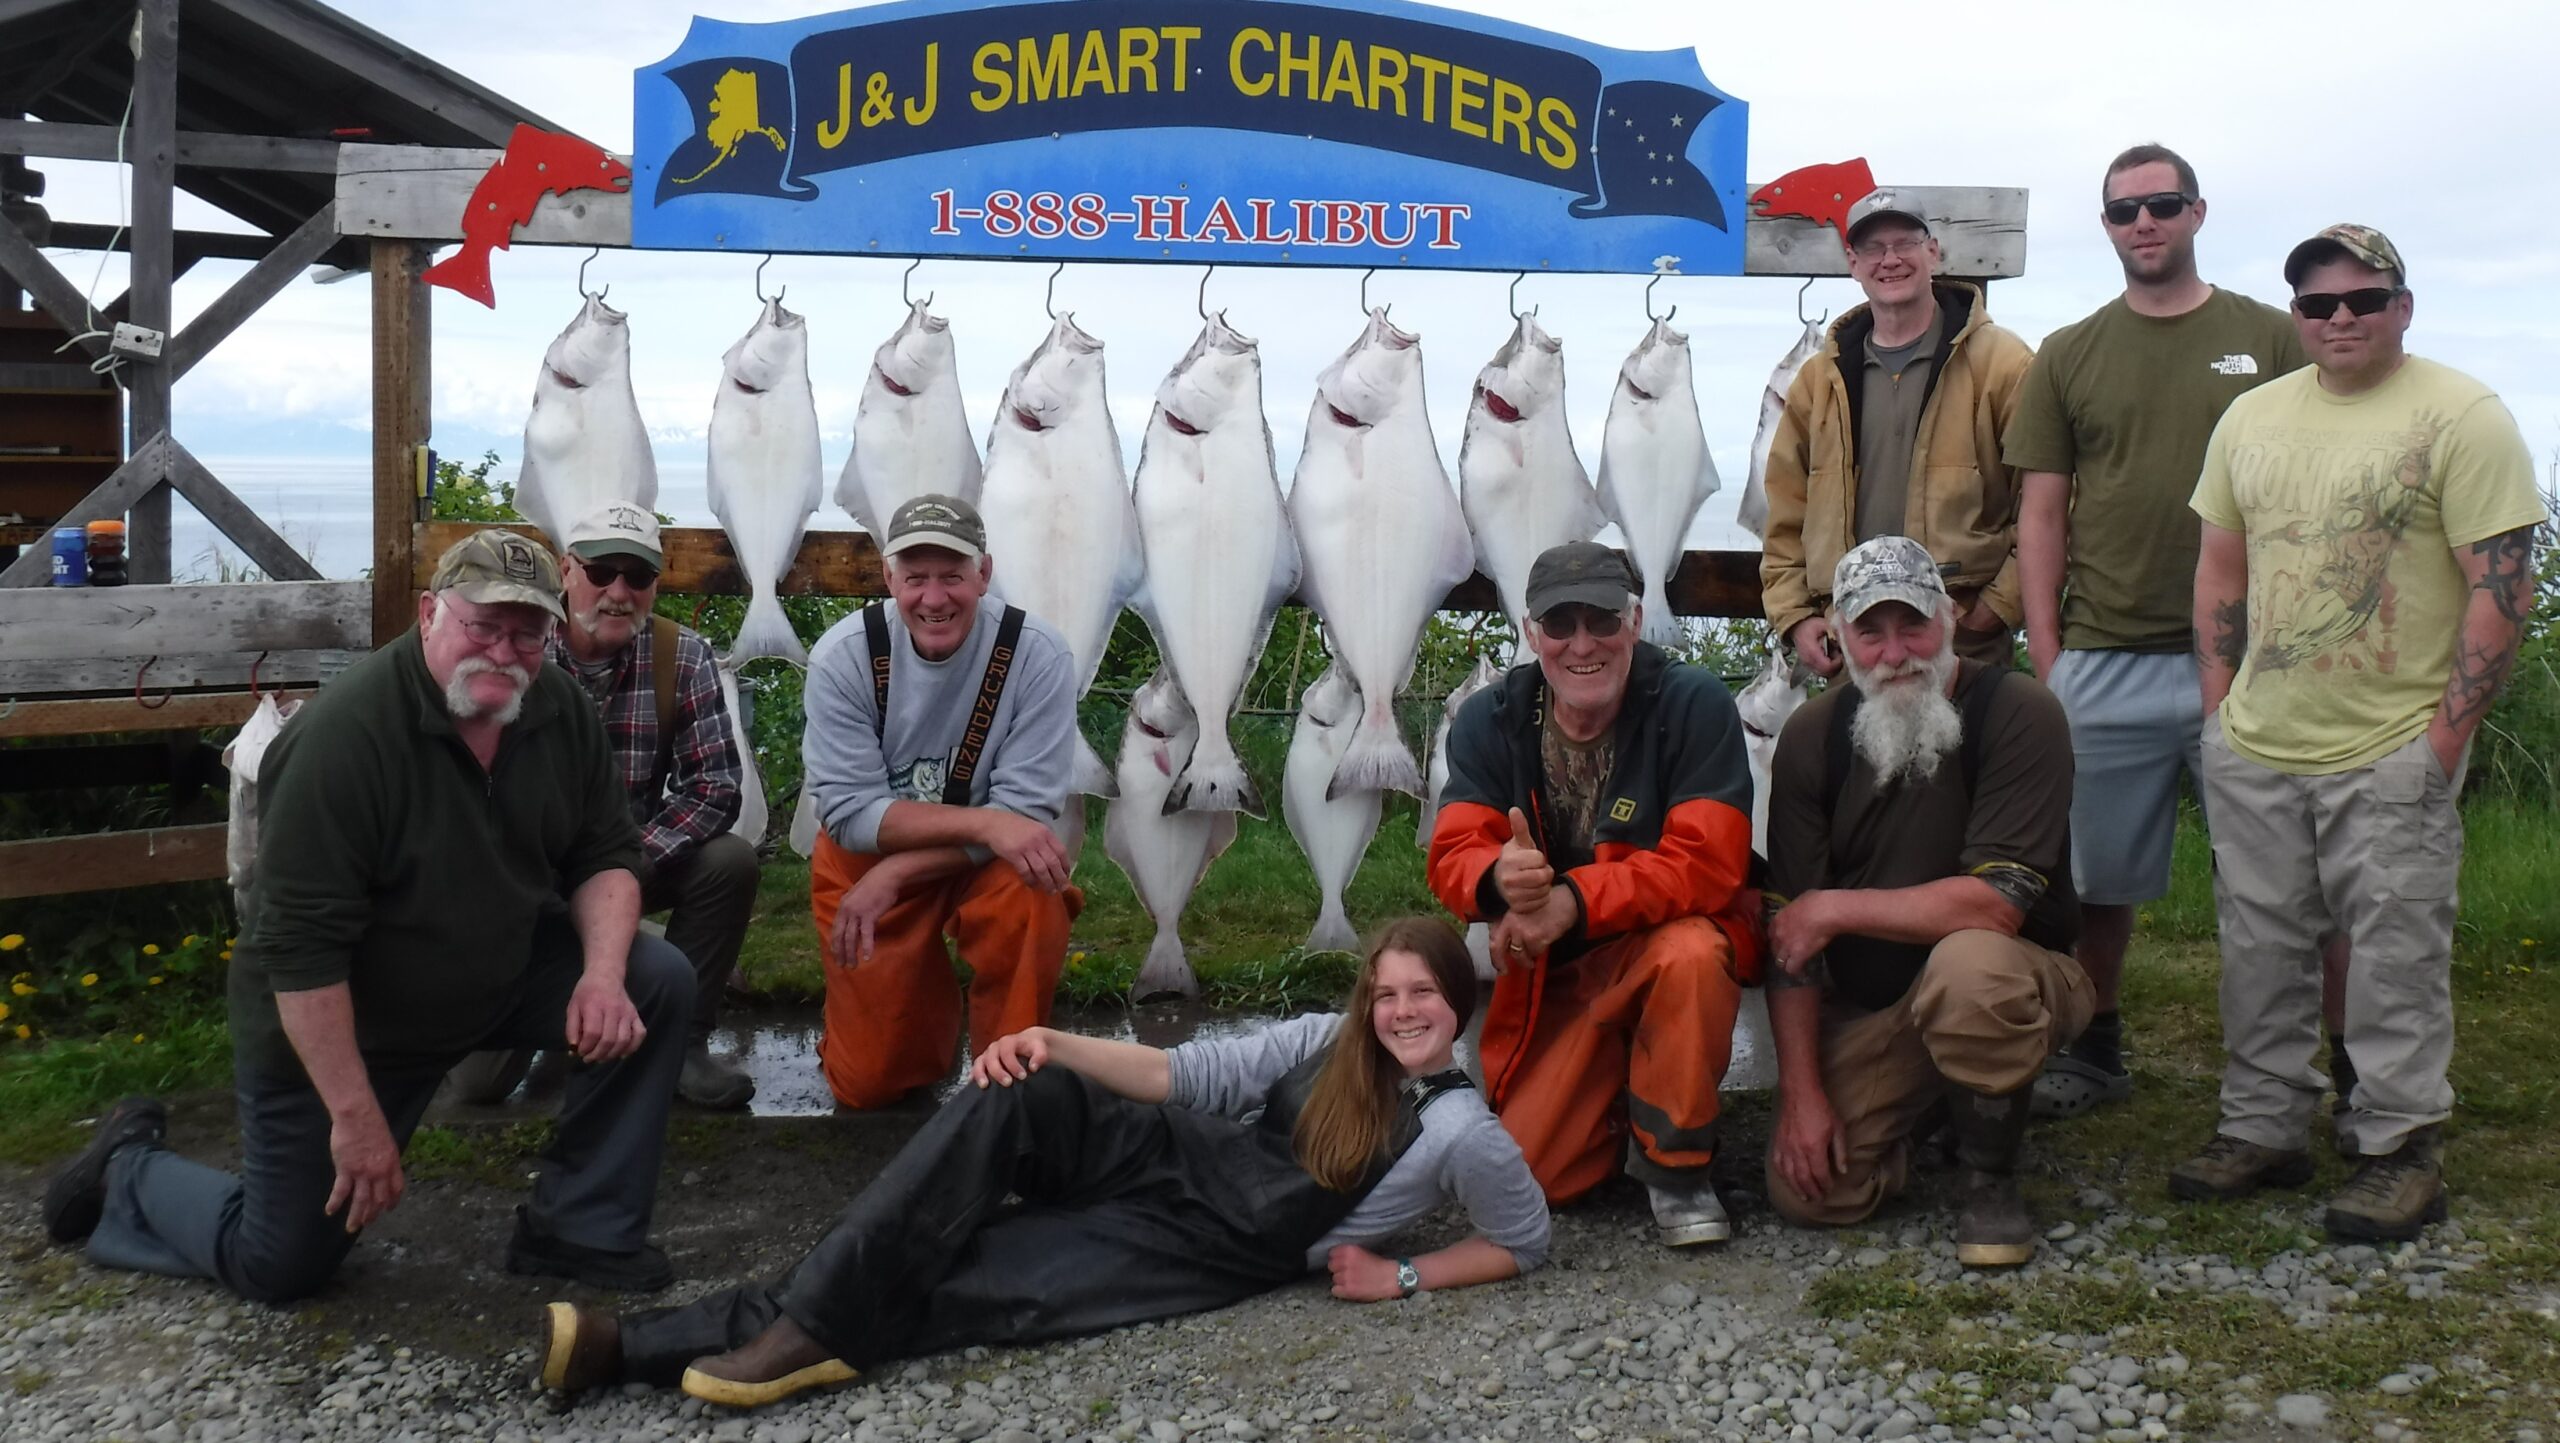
(856, 765)
(1462, 1156)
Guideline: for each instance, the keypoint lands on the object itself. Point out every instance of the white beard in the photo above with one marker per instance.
(1906, 730)
(457, 691)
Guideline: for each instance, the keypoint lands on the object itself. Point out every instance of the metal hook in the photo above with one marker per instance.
(1800, 290)
(1204, 289)
(253, 675)
(596, 295)
(1364, 289)
(1648, 301)
(776, 298)
(1515, 296)
(903, 293)
(137, 689)
(1052, 297)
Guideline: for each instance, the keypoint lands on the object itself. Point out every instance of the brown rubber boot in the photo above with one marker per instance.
(2231, 1167)
(782, 1360)
(1992, 1229)
(581, 1348)
(2393, 1197)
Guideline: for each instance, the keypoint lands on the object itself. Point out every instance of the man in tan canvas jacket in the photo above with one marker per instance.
(1902, 437)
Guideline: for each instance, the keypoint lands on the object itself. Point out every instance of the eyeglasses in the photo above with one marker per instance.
(485, 634)
(1560, 623)
(2321, 305)
(1876, 250)
(601, 574)
(2166, 205)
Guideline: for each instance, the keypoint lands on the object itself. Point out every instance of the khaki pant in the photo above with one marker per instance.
(2377, 849)
(1984, 1014)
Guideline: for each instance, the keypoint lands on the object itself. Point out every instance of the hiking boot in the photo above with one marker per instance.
(713, 1082)
(533, 1252)
(1992, 1226)
(580, 1348)
(2231, 1167)
(77, 1196)
(1688, 1213)
(2076, 1080)
(2342, 1076)
(2392, 1197)
(782, 1360)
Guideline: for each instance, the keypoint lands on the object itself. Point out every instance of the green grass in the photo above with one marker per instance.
(48, 1093)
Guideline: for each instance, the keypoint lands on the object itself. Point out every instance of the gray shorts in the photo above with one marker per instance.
(2135, 719)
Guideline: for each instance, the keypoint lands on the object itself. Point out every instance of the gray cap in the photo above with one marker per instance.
(1879, 203)
(944, 521)
(1580, 572)
(618, 528)
(1888, 568)
(495, 567)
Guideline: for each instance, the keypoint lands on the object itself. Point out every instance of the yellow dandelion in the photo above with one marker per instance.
(226, 954)
(234, 942)
(22, 989)
(25, 1032)
(4, 1011)
(155, 981)
(13, 942)
(88, 979)
(150, 949)
(2529, 942)
(137, 1037)
(187, 941)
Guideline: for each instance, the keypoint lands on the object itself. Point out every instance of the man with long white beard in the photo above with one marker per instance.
(445, 863)
(1922, 915)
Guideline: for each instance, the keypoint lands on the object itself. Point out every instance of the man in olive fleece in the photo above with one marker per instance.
(446, 863)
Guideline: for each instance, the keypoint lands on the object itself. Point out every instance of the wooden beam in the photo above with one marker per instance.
(130, 622)
(403, 76)
(144, 470)
(844, 563)
(50, 376)
(196, 149)
(273, 554)
(403, 367)
(1981, 232)
(276, 270)
(190, 245)
(106, 861)
(52, 290)
(100, 716)
(153, 148)
(122, 675)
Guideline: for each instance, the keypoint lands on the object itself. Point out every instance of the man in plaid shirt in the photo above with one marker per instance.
(683, 781)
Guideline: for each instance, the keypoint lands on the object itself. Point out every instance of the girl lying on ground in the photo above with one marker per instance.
(1302, 1146)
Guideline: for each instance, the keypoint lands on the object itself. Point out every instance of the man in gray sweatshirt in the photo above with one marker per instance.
(941, 735)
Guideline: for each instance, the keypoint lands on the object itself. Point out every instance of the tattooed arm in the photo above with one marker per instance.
(2222, 612)
(2501, 574)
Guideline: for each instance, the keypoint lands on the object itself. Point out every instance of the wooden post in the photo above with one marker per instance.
(401, 352)
(155, 179)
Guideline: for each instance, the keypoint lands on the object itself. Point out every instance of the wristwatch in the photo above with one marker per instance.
(1408, 1279)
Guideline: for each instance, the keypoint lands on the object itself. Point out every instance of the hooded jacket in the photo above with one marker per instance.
(1962, 499)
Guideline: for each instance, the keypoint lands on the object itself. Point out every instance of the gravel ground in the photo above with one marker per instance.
(424, 1337)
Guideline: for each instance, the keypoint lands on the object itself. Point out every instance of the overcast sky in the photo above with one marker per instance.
(2433, 122)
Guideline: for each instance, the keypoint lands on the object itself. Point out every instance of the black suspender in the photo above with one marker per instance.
(982, 713)
(1839, 753)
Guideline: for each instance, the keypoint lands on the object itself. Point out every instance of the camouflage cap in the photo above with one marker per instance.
(2359, 243)
(494, 567)
(944, 521)
(1888, 568)
(1580, 572)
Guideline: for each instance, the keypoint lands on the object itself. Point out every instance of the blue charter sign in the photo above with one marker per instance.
(1233, 131)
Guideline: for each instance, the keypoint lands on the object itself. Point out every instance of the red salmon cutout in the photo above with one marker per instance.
(536, 163)
(1821, 194)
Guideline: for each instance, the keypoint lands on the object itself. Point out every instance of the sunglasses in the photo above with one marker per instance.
(2321, 305)
(2166, 205)
(601, 574)
(1561, 623)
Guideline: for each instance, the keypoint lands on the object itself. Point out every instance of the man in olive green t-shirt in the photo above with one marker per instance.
(2110, 428)
(2367, 567)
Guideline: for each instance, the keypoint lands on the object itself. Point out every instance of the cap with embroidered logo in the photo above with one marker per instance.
(618, 528)
(493, 567)
(2359, 243)
(1878, 204)
(944, 521)
(1887, 568)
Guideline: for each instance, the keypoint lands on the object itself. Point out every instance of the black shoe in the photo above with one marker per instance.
(77, 1196)
(534, 1253)
(1993, 1229)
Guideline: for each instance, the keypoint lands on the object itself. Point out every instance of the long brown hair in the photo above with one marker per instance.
(1352, 1106)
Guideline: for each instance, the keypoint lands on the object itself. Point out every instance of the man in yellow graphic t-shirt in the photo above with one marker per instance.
(2366, 571)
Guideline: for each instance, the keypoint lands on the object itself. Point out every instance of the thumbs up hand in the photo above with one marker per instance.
(1522, 873)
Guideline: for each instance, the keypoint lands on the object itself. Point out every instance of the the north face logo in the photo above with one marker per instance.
(2234, 366)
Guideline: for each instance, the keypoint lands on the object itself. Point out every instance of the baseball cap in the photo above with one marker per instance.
(944, 521)
(492, 567)
(2360, 243)
(1888, 568)
(1876, 205)
(1579, 572)
(618, 528)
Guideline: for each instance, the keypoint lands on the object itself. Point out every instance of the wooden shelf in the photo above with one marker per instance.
(10, 460)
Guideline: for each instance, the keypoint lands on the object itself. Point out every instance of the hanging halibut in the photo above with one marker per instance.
(1382, 536)
(910, 431)
(1219, 559)
(1654, 466)
(1164, 851)
(1060, 523)
(1487, 671)
(1773, 404)
(753, 817)
(1521, 485)
(764, 474)
(1764, 706)
(1333, 831)
(584, 444)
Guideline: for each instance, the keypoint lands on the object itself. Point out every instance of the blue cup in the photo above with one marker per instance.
(70, 556)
